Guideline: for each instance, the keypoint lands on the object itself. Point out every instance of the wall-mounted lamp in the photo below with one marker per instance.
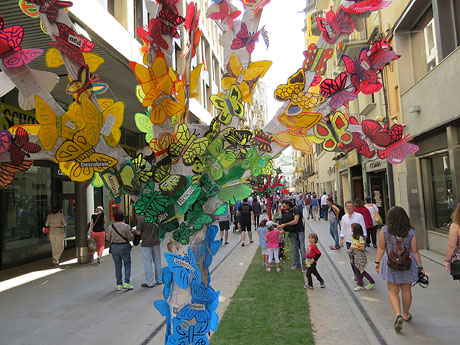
(415, 109)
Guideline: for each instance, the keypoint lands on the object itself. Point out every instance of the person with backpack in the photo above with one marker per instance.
(308, 205)
(334, 213)
(291, 221)
(246, 215)
(401, 265)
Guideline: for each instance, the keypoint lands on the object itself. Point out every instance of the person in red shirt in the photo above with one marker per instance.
(312, 255)
(361, 209)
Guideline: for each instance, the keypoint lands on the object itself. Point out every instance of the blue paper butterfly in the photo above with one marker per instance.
(183, 333)
(210, 247)
(182, 267)
(203, 304)
(166, 277)
(163, 307)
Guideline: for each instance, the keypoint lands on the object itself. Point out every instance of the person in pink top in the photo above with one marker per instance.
(272, 238)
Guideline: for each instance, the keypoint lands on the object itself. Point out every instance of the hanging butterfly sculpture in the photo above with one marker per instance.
(333, 132)
(245, 39)
(168, 184)
(21, 147)
(262, 140)
(316, 59)
(361, 6)
(337, 91)
(229, 106)
(238, 140)
(122, 181)
(160, 147)
(8, 170)
(335, 25)
(85, 84)
(151, 203)
(255, 162)
(223, 11)
(169, 17)
(187, 145)
(143, 169)
(152, 34)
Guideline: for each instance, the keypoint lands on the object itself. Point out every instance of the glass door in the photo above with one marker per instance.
(68, 209)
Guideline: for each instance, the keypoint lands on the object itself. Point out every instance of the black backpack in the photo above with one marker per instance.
(341, 211)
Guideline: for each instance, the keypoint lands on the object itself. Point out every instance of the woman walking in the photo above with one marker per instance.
(57, 223)
(97, 229)
(257, 209)
(314, 207)
(453, 246)
(372, 232)
(397, 230)
(119, 235)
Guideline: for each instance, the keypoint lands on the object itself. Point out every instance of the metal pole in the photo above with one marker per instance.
(390, 176)
(81, 242)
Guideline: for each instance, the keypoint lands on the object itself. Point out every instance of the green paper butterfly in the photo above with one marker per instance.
(183, 234)
(143, 169)
(187, 146)
(121, 181)
(255, 162)
(238, 140)
(208, 190)
(222, 210)
(168, 184)
(233, 193)
(234, 173)
(144, 124)
(165, 224)
(151, 204)
(214, 129)
(197, 169)
(229, 106)
(217, 158)
(186, 196)
(196, 217)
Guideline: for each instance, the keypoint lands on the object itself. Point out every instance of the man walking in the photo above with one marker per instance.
(308, 205)
(291, 221)
(333, 216)
(245, 214)
(350, 218)
(150, 247)
(324, 207)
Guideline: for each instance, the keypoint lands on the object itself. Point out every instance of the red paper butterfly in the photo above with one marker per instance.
(262, 140)
(152, 35)
(169, 17)
(337, 90)
(224, 14)
(7, 171)
(11, 53)
(51, 7)
(194, 34)
(245, 39)
(5, 141)
(361, 6)
(363, 75)
(21, 147)
(316, 59)
(358, 142)
(69, 43)
(335, 24)
(381, 54)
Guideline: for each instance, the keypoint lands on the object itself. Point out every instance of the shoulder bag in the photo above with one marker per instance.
(127, 241)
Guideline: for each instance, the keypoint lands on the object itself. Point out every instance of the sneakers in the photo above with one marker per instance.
(278, 270)
(369, 286)
(308, 287)
(98, 260)
(145, 285)
(322, 285)
(128, 286)
(119, 287)
(268, 269)
(358, 288)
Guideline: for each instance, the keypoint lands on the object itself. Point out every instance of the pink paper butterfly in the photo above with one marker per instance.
(361, 6)
(5, 141)
(335, 24)
(245, 39)
(51, 7)
(337, 90)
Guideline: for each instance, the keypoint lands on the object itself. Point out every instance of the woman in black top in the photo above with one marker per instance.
(97, 229)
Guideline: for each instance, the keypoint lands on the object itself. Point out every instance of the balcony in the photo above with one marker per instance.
(313, 5)
(314, 25)
(353, 45)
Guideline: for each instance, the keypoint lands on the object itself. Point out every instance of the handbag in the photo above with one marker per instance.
(454, 268)
(377, 217)
(92, 244)
(46, 230)
(136, 239)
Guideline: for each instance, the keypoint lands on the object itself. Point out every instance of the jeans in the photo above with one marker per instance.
(298, 243)
(257, 218)
(323, 212)
(334, 231)
(308, 211)
(372, 236)
(121, 253)
(151, 254)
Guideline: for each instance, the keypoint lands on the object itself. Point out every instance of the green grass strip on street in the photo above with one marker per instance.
(267, 308)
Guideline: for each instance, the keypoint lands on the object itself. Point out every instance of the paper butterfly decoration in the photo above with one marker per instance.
(238, 140)
(245, 39)
(229, 106)
(208, 190)
(335, 24)
(85, 85)
(169, 17)
(121, 181)
(194, 75)
(151, 203)
(300, 102)
(262, 140)
(361, 6)
(183, 268)
(362, 73)
(214, 129)
(143, 169)
(223, 11)
(183, 234)
(316, 59)
(185, 333)
(360, 142)
(5, 141)
(257, 5)
(11, 53)
(210, 247)
(54, 59)
(381, 54)
(246, 79)
(8, 170)
(255, 162)
(160, 147)
(218, 159)
(20, 147)
(296, 130)
(30, 10)
(202, 304)
(106, 123)
(193, 33)
(334, 135)
(168, 184)
(51, 7)
(69, 43)
(53, 126)
(231, 192)
(144, 124)
(222, 210)
(78, 160)
(152, 34)
(337, 90)
(163, 307)
(187, 146)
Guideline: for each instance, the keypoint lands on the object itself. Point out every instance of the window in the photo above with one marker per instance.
(431, 51)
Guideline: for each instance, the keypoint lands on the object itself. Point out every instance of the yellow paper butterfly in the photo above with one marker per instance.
(78, 160)
(144, 124)
(187, 146)
(244, 78)
(107, 122)
(229, 106)
(53, 126)
(335, 137)
(194, 81)
(54, 59)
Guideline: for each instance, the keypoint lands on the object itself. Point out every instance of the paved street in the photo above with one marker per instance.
(79, 305)
(342, 316)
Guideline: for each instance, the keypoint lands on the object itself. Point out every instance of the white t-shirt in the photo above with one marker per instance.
(346, 222)
(372, 209)
(324, 200)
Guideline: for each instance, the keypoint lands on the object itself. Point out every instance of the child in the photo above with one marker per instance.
(358, 257)
(312, 254)
(262, 230)
(272, 239)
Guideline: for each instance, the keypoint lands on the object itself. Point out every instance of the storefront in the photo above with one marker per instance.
(377, 184)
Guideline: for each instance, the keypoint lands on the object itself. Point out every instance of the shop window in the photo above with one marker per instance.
(442, 201)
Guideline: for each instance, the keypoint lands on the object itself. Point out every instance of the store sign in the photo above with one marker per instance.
(12, 116)
(374, 165)
(352, 158)
(331, 171)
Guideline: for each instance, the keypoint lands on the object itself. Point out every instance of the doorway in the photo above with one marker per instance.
(378, 192)
(68, 209)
